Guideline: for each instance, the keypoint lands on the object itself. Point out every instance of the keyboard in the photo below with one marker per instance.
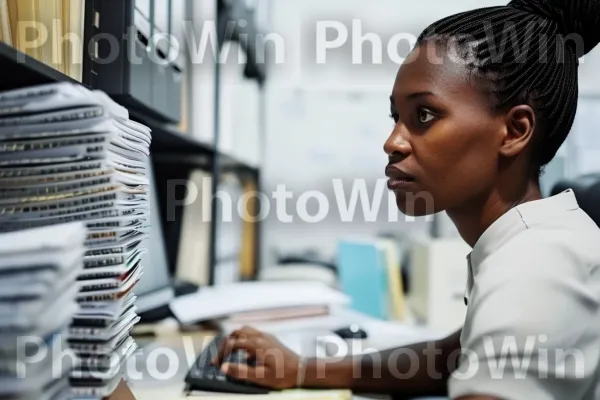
(204, 376)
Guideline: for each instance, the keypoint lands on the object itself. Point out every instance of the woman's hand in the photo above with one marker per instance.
(271, 364)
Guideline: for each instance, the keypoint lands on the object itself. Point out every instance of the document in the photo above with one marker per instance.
(38, 273)
(228, 299)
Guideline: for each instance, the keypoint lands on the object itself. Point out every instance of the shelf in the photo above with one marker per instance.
(24, 70)
(169, 139)
(232, 163)
(185, 160)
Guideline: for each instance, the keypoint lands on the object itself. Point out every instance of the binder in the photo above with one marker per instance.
(248, 267)
(14, 19)
(25, 11)
(193, 257)
(398, 307)
(5, 25)
(152, 84)
(73, 25)
(369, 271)
(362, 267)
(51, 18)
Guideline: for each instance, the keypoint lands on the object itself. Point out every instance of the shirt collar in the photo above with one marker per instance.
(518, 219)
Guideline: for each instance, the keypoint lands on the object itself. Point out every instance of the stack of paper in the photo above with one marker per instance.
(38, 273)
(226, 300)
(70, 154)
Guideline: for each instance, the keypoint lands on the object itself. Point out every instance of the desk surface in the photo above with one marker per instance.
(157, 371)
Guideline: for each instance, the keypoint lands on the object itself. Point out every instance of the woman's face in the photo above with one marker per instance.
(443, 150)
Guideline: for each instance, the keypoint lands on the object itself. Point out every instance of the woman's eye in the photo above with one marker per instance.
(425, 116)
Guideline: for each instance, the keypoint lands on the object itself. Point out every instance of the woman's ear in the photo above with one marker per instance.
(520, 126)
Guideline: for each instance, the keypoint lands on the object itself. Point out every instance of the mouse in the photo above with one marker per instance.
(351, 332)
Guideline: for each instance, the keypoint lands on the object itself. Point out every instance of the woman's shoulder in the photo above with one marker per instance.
(566, 245)
(539, 266)
(542, 280)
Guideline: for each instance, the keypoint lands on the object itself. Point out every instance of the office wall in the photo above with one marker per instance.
(297, 22)
(328, 145)
(328, 120)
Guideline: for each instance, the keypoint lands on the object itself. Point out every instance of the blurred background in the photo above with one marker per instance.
(325, 121)
(268, 120)
(274, 167)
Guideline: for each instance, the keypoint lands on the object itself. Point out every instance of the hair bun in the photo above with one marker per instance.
(581, 17)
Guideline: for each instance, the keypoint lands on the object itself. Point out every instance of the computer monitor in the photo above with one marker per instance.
(155, 288)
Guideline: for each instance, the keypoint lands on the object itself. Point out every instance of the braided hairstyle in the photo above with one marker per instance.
(527, 53)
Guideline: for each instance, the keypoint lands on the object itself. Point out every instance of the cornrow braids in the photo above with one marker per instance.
(527, 53)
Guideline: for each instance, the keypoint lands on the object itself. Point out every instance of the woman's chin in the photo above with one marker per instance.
(416, 204)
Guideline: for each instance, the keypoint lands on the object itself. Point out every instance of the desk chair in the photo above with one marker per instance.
(587, 192)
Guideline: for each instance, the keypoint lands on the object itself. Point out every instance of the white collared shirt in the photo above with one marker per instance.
(532, 329)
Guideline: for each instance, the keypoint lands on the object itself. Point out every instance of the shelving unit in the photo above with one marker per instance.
(26, 71)
(174, 153)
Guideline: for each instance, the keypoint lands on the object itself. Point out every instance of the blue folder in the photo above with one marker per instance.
(362, 267)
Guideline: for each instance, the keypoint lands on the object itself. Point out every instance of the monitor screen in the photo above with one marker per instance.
(155, 287)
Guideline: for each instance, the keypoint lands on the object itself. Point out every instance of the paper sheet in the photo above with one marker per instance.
(224, 300)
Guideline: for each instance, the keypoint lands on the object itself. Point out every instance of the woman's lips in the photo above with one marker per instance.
(398, 179)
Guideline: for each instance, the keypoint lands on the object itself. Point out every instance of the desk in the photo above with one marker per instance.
(158, 370)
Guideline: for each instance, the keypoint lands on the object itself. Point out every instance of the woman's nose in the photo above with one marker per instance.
(397, 143)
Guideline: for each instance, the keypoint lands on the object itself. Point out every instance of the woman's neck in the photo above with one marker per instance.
(473, 219)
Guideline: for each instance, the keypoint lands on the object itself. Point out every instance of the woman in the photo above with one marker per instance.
(481, 105)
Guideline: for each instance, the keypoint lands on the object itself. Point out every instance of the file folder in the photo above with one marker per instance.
(363, 274)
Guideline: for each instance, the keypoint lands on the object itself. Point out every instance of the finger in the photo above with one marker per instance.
(245, 372)
(246, 331)
(230, 345)
(226, 346)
